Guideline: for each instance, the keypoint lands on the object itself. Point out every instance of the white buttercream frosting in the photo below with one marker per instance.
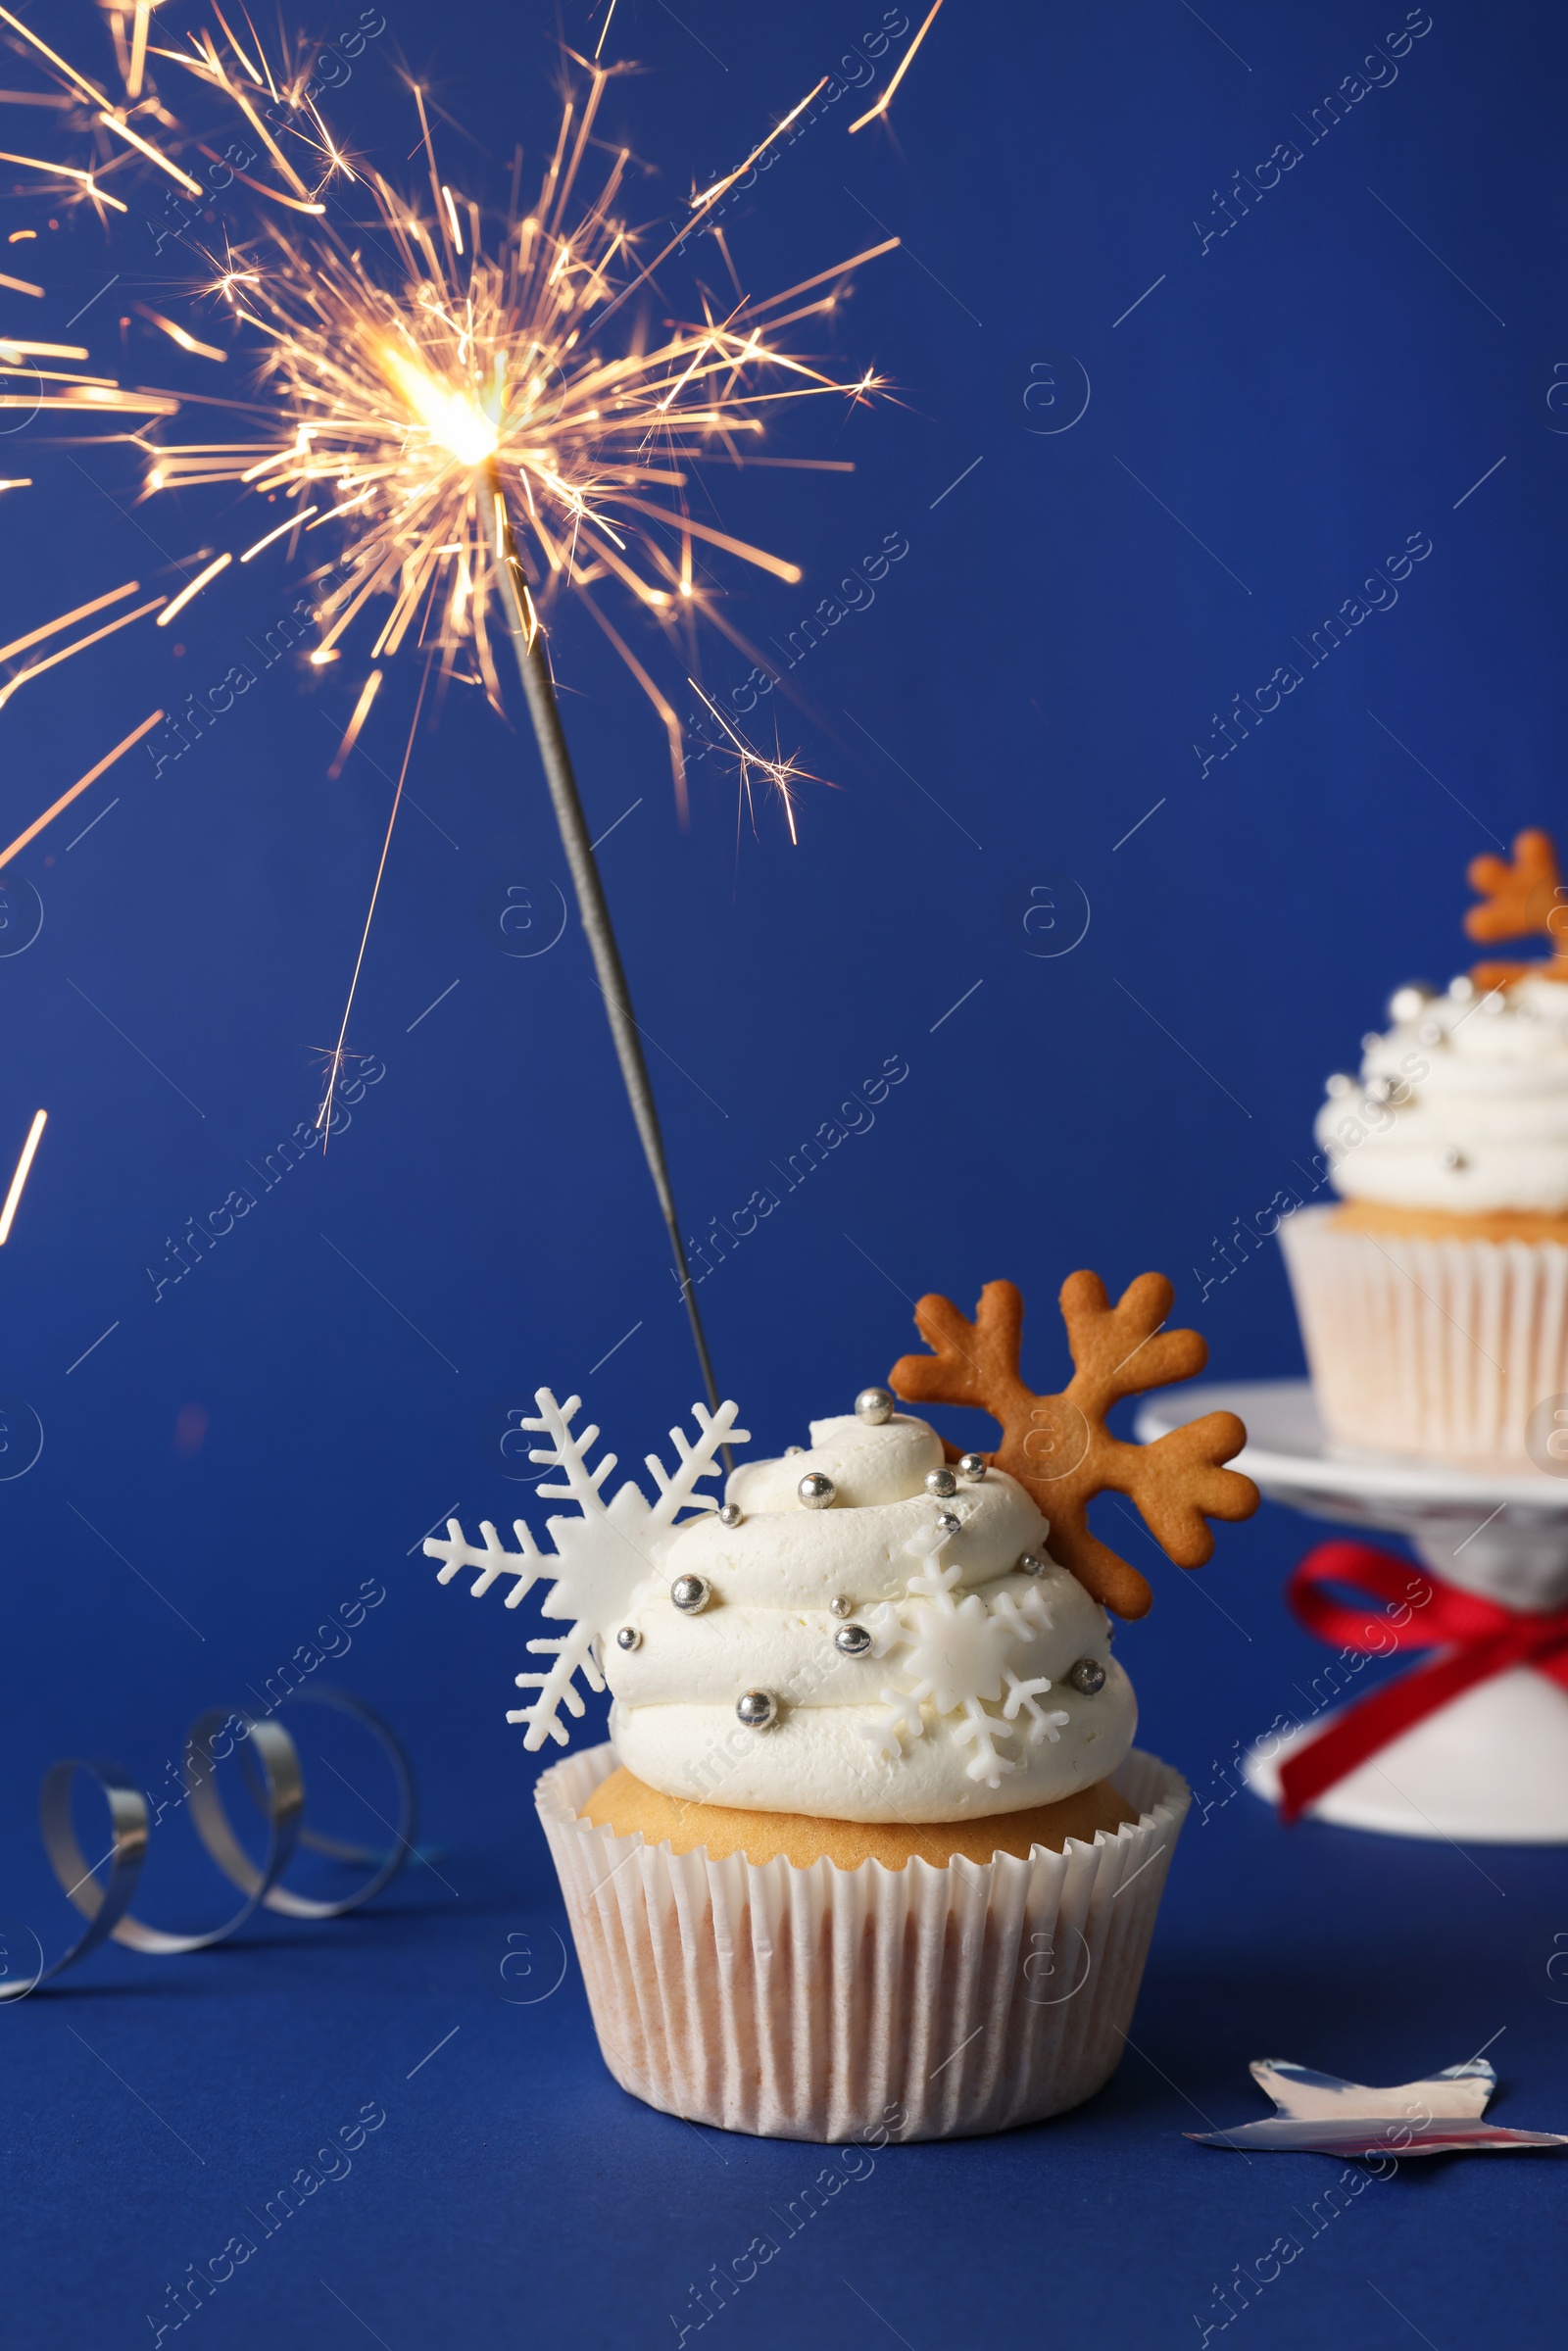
(962, 1706)
(1474, 1109)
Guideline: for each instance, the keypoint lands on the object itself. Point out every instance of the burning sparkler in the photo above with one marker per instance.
(442, 392)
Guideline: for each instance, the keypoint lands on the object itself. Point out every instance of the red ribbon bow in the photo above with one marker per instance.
(1477, 1638)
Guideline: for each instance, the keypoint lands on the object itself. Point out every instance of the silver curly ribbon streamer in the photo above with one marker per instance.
(277, 1783)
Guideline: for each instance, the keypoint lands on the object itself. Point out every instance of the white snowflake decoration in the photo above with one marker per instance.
(956, 1661)
(599, 1558)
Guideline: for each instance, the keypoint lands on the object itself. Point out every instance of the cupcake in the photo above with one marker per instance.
(1434, 1300)
(869, 1852)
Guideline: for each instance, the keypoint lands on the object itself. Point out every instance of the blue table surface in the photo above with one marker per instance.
(153, 2110)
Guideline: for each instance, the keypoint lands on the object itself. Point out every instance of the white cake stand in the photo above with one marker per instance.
(1492, 1767)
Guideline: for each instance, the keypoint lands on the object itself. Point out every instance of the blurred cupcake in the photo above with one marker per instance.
(870, 1850)
(1434, 1300)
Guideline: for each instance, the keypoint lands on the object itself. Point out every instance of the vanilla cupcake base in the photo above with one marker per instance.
(627, 1805)
(1436, 1346)
(830, 2004)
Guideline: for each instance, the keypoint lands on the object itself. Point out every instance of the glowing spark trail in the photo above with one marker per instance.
(905, 62)
(82, 611)
(336, 1057)
(177, 334)
(721, 187)
(88, 88)
(192, 588)
(78, 787)
(350, 733)
(134, 139)
(290, 522)
(138, 52)
(14, 1195)
(52, 660)
(31, 162)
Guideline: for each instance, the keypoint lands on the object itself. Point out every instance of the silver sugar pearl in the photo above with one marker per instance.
(1031, 1564)
(1462, 989)
(730, 1515)
(843, 1605)
(948, 1522)
(971, 1468)
(877, 1405)
(1371, 1040)
(940, 1482)
(852, 1640)
(1453, 1159)
(1338, 1085)
(1409, 1002)
(815, 1489)
(1088, 1675)
(691, 1594)
(628, 1638)
(758, 1709)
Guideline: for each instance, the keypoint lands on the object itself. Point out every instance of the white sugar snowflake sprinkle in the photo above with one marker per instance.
(599, 1558)
(956, 1661)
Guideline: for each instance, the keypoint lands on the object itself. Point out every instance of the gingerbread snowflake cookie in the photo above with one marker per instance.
(1060, 1447)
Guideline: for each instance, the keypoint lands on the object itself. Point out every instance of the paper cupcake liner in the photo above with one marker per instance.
(1432, 1347)
(833, 2004)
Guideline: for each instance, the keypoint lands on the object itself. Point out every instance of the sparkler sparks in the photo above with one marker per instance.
(440, 386)
(778, 774)
(402, 394)
(474, 374)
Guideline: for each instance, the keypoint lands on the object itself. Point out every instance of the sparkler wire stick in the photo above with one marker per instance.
(534, 668)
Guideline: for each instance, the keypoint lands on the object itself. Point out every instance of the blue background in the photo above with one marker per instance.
(1269, 418)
